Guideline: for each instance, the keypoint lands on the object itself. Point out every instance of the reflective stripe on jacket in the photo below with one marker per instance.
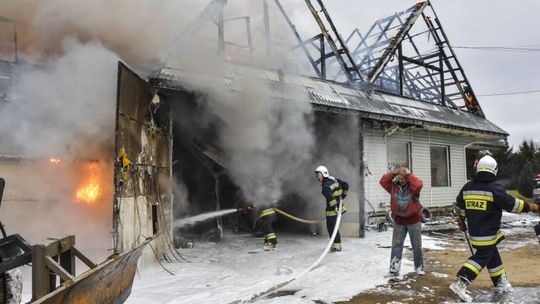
(333, 190)
(482, 202)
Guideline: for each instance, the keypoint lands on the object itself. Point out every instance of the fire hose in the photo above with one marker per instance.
(276, 287)
(301, 220)
(287, 215)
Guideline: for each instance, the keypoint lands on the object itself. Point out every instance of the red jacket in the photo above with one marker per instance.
(411, 214)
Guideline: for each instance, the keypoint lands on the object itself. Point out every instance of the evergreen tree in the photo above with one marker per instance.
(525, 165)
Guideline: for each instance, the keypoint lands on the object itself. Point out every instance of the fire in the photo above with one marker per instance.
(89, 193)
(53, 160)
(90, 190)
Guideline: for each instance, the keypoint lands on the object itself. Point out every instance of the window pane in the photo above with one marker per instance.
(397, 155)
(439, 167)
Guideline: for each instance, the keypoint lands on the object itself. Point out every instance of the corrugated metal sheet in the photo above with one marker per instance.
(336, 97)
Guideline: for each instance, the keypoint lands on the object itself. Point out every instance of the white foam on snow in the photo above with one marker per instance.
(226, 271)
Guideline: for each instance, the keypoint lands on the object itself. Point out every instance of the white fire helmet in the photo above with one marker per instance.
(487, 164)
(323, 170)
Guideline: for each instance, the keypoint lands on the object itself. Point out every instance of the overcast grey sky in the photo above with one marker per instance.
(478, 23)
(466, 22)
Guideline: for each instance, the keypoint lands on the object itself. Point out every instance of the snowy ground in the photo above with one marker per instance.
(227, 272)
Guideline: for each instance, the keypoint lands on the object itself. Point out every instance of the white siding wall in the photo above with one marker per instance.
(375, 160)
(375, 155)
(443, 196)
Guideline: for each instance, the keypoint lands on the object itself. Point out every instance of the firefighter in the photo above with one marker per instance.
(334, 191)
(267, 217)
(480, 203)
(404, 188)
(244, 219)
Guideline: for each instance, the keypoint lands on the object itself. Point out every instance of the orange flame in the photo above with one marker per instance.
(90, 191)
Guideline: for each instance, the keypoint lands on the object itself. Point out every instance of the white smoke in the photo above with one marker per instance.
(64, 107)
(269, 143)
(264, 139)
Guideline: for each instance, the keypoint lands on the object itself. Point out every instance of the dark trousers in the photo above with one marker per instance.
(483, 257)
(268, 230)
(330, 225)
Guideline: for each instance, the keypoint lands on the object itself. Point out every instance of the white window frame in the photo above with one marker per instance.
(448, 175)
(409, 158)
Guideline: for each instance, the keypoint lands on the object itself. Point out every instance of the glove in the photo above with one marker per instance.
(534, 207)
(462, 225)
(343, 209)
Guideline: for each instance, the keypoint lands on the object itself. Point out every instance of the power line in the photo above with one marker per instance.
(504, 49)
(500, 48)
(509, 93)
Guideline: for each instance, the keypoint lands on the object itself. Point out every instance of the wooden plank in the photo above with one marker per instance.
(57, 269)
(109, 283)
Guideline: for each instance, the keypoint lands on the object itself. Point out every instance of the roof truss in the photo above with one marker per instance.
(409, 54)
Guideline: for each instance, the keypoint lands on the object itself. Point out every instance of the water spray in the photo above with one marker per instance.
(202, 217)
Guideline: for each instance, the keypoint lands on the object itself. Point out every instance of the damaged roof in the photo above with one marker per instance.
(331, 96)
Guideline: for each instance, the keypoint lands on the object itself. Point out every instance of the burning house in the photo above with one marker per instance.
(227, 117)
(376, 101)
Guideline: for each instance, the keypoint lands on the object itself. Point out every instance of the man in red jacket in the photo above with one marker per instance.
(404, 188)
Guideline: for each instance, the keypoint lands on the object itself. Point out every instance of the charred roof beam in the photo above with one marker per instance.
(301, 42)
(462, 82)
(341, 54)
(421, 63)
(396, 42)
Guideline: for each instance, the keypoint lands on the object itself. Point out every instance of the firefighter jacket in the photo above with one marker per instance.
(482, 201)
(404, 200)
(334, 190)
